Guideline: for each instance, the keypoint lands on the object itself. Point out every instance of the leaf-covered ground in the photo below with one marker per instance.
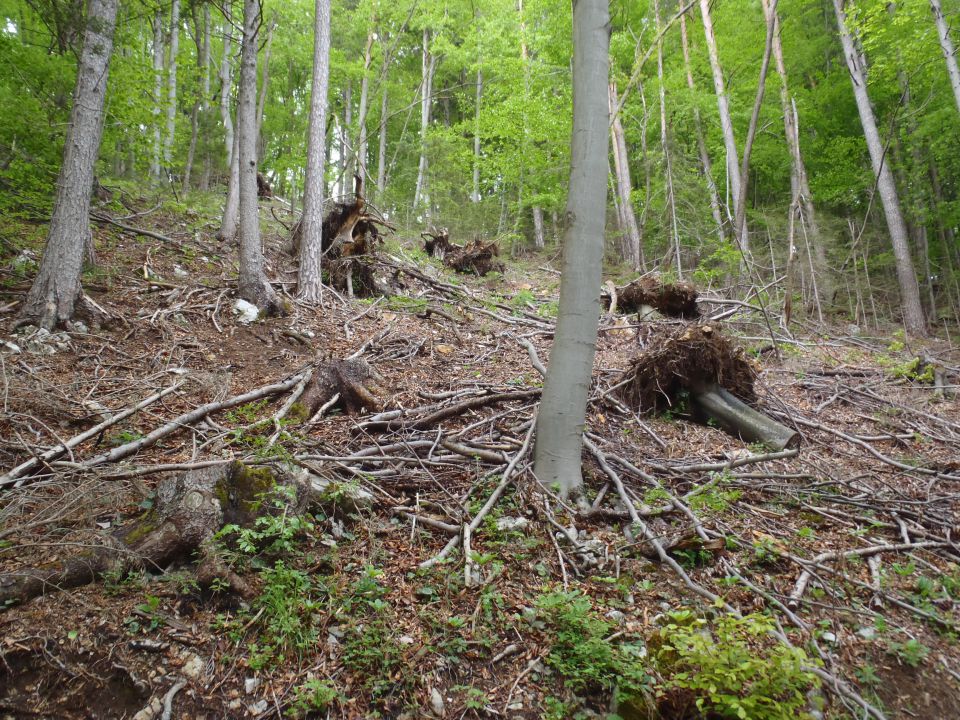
(845, 548)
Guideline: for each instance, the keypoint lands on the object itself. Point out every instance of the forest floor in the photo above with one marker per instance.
(554, 610)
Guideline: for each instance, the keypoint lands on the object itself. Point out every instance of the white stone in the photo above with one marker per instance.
(436, 703)
(11, 347)
(193, 667)
(246, 312)
(250, 684)
(180, 272)
(512, 523)
(259, 707)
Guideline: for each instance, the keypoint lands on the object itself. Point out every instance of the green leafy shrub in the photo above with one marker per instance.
(733, 669)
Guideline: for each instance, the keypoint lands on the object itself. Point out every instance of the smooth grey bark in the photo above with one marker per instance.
(723, 106)
(428, 65)
(362, 108)
(200, 37)
(704, 154)
(346, 159)
(205, 94)
(738, 418)
(538, 239)
(157, 94)
(226, 83)
(231, 209)
(264, 85)
(799, 182)
(475, 194)
(382, 145)
(253, 284)
(949, 49)
(914, 321)
(624, 185)
(740, 223)
(56, 289)
(172, 51)
(562, 412)
(667, 163)
(309, 280)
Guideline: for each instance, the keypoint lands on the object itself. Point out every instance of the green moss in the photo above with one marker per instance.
(145, 525)
(298, 413)
(242, 490)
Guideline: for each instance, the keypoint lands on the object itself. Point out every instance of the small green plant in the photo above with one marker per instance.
(149, 613)
(912, 652)
(287, 613)
(123, 437)
(248, 413)
(313, 696)
(732, 667)
(272, 534)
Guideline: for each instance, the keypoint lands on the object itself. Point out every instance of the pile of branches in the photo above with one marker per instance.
(474, 258)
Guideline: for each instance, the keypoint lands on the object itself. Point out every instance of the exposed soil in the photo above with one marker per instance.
(878, 466)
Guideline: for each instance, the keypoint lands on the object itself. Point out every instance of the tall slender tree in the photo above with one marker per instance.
(310, 284)
(913, 318)
(948, 47)
(624, 186)
(253, 285)
(562, 413)
(173, 49)
(55, 291)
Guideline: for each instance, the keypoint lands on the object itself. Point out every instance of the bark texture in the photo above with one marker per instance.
(226, 83)
(624, 195)
(949, 49)
(253, 286)
(309, 280)
(913, 319)
(562, 411)
(56, 289)
(173, 48)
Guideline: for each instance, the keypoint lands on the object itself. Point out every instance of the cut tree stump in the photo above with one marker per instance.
(698, 362)
(351, 385)
(677, 300)
(188, 511)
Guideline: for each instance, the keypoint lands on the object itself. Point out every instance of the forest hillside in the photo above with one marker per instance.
(474, 360)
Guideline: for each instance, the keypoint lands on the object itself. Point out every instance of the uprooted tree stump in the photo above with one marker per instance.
(350, 237)
(351, 385)
(188, 511)
(677, 299)
(474, 258)
(698, 361)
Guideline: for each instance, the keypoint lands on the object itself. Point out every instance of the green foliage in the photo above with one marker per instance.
(287, 612)
(912, 652)
(732, 666)
(313, 696)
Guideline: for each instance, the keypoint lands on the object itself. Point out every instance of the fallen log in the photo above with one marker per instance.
(698, 363)
(188, 511)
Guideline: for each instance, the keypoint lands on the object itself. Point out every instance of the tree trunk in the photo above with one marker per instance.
(56, 289)
(231, 209)
(157, 94)
(668, 168)
(309, 280)
(382, 145)
(723, 106)
(738, 418)
(475, 195)
(192, 148)
(799, 183)
(914, 321)
(226, 84)
(362, 110)
(538, 239)
(205, 95)
(621, 165)
(264, 84)
(428, 64)
(740, 225)
(562, 411)
(253, 286)
(346, 159)
(949, 49)
(172, 49)
(701, 142)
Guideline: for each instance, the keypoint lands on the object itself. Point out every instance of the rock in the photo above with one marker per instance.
(39, 341)
(79, 327)
(618, 617)
(259, 707)
(180, 272)
(10, 347)
(405, 640)
(193, 668)
(867, 633)
(246, 312)
(512, 523)
(436, 703)
(250, 684)
(150, 711)
(829, 637)
(234, 705)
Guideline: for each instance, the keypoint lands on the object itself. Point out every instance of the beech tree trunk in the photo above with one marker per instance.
(723, 106)
(428, 65)
(913, 319)
(346, 161)
(205, 95)
(173, 49)
(382, 145)
(226, 83)
(231, 209)
(949, 49)
(264, 85)
(562, 411)
(157, 94)
(800, 185)
(253, 286)
(701, 142)
(668, 167)
(624, 184)
(538, 239)
(56, 289)
(362, 109)
(309, 280)
(475, 195)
